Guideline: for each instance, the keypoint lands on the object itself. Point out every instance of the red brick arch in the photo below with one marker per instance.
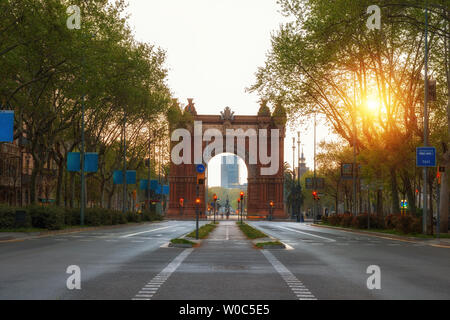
(261, 188)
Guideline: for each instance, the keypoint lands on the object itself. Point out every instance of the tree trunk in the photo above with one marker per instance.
(394, 192)
(409, 193)
(33, 178)
(59, 183)
(444, 203)
(102, 197)
(430, 226)
(380, 203)
(72, 190)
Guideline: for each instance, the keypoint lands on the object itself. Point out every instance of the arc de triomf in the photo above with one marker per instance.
(262, 188)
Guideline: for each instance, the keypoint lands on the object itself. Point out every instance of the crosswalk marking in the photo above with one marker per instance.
(300, 290)
(152, 287)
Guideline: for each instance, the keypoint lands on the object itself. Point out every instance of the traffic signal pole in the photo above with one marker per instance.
(425, 128)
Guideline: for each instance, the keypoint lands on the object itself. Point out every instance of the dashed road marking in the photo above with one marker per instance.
(297, 287)
(309, 234)
(147, 292)
(148, 231)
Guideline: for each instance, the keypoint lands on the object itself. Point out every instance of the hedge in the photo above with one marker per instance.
(403, 224)
(8, 217)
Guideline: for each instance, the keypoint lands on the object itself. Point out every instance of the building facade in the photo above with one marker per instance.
(229, 174)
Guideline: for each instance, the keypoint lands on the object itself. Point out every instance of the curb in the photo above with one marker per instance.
(385, 236)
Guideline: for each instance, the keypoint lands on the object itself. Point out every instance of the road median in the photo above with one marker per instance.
(189, 240)
(259, 239)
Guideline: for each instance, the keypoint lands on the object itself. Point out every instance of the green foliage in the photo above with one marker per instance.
(47, 69)
(8, 217)
(223, 194)
(250, 232)
(401, 224)
(268, 244)
(50, 217)
(174, 114)
(151, 216)
(181, 241)
(279, 115)
(203, 231)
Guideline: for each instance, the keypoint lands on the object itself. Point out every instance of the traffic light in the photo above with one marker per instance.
(181, 202)
(197, 201)
(242, 195)
(215, 197)
(201, 178)
(271, 204)
(315, 195)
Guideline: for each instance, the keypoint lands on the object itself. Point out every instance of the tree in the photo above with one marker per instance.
(367, 83)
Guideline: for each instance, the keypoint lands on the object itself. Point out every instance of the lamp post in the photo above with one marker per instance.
(242, 205)
(215, 200)
(181, 206)
(271, 210)
(239, 208)
(425, 128)
(197, 204)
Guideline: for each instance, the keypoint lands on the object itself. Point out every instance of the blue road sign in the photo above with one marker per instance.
(200, 168)
(426, 157)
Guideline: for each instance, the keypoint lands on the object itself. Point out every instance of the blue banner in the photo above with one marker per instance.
(130, 176)
(118, 177)
(162, 189)
(143, 184)
(6, 126)
(91, 162)
(73, 162)
(154, 185)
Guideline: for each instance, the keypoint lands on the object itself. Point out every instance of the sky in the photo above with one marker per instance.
(214, 48)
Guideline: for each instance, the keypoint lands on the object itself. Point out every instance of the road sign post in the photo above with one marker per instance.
(425, 157)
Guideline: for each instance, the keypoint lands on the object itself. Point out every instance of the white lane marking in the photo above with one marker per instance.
(309, 234)
(152, 287)
(227, 233)
(300, 290)
(148, 231)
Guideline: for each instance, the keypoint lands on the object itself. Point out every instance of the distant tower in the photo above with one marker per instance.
(302, 169)
(229, 172)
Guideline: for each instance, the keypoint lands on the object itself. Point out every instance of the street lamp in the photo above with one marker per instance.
(197, 205)
(181, 206)
(271, 203)
(242, 205)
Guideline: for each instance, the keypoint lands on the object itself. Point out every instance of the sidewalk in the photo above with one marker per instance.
(227, 230)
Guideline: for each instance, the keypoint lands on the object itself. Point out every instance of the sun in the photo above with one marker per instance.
(372, 105)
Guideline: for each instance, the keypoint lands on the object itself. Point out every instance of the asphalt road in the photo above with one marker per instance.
(134, 263)
(333, 264)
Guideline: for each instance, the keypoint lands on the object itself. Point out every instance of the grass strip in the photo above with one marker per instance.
(203, 231)
(270, 243)
(181, 241)
(250, 232)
